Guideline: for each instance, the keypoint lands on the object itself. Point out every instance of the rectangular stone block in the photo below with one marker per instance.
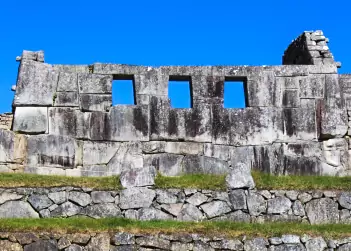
(51, 151)
(68, 82)
(69, 99)
(208, 88)
(97, 153)
(333, 118)
(262, 89)
(95, 83)
(95, 102)
(151, 82)
(312, 86)
(32, 120)
(184, 148)
(290, 98)
(36, 84)
(12, 147)
(119, 69)
(128, 123)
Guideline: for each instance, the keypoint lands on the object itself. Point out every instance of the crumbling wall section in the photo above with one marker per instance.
(295, 121)
(6, 120)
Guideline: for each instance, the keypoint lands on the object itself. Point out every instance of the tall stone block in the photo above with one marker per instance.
(36, 84)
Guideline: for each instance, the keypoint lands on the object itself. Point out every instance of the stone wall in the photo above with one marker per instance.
(6, 121)
(295, 122)
(145, 203)
(124, 241)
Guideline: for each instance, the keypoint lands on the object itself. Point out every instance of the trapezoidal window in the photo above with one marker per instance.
(179, 91)
(123, 90)
(235, 93)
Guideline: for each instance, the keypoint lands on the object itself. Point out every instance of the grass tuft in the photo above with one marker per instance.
(209, 228)
(33, 180)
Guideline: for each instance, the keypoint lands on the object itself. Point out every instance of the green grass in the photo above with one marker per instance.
(34, 180)
(229, 229)
(198, 181)
(294, 182)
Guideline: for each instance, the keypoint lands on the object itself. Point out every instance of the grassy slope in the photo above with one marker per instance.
(229, 229)
(200, 181)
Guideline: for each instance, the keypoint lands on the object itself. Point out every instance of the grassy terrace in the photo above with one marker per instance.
(229, 229)
(201, 181)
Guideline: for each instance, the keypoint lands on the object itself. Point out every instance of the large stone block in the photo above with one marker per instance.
(68, 82)
(17, 209)
(322, 211)
(136, 197)
(69, 99)
(250, 126)
(262, 89)
(51, 151)
(32, 120)
(70, 122)
(94, 83)
(151, 82)
(36, 84)
(167, 164)
(128, 123)
(312, 86)
(333, 116)
(12, 147)
(127, 156)
(95, 153)
(208, 88)
(94, 102)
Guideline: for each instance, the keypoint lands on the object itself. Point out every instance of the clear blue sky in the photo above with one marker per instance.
(182, 32)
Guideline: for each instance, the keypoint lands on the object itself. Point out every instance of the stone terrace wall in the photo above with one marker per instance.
(142, 203)
(295, 121)
(127, 242)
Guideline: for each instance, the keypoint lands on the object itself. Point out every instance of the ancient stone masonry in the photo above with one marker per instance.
(296, 120)
(124, 241)
(6, 121)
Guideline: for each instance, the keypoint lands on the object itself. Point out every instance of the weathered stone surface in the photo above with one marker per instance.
(10, 246)
(123, 238)
(153, 214)
(67, 209)
(51, 151)
(74, 247)
(237, 199)
(68, 82)
(166, 197)
(298, 209)
(166, 164)
(215, 208)
(289, 247)
(345, 247)
(31, 120)
(240, 177)
(134, 126)
(36, 84)
(102, 197)
(95, 153)
(138, 177)
(94, 102)
(17, 209)
(257, 244)
(39, 202)
(316, 244)
(154, 242)
(100, 242)
(58, 197)
(321, 211)
(69, 99)
(6, 196)
(80, 198)
(190, 213)
(256, 204)
(136, 197)
(103, 210)
(173, 209)
(197, 199)
(290, 239)
(94, 83)
(47, 245)
(278, 205)
(345, 200)
(184, 148)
